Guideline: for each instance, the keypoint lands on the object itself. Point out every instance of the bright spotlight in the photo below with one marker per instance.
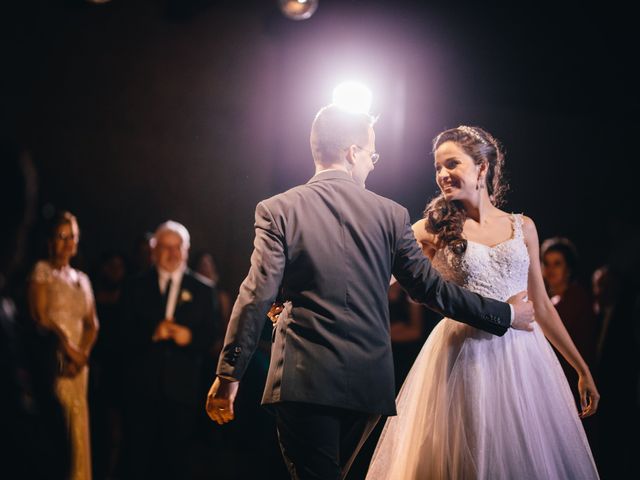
(353, 97)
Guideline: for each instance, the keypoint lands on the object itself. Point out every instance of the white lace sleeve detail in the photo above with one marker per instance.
(42, 273)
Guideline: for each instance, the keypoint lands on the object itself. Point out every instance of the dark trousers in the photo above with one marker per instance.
(318, 442)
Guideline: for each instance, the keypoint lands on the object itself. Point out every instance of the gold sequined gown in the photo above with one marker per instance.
(68, 303)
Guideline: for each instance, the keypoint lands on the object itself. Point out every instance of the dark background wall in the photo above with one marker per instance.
(139, 111)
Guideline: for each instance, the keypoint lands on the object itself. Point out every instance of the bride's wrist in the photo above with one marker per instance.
(583, 372)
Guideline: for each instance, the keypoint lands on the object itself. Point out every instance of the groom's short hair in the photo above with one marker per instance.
(335, 129)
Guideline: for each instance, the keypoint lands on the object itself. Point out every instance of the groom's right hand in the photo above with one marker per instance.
(523, 313)
(220, 399)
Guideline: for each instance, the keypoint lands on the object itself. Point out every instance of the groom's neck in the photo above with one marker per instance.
(334, 166)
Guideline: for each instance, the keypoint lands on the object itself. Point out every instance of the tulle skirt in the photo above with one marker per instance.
(478, 406)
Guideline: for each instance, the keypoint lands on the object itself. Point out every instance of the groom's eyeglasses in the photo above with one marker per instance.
(375, 156)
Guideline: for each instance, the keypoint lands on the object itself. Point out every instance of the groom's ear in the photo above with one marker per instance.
(350, 155)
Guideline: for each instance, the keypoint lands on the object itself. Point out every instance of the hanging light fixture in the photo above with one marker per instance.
(298, 9)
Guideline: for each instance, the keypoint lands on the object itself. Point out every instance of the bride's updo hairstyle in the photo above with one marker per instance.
(445, 219)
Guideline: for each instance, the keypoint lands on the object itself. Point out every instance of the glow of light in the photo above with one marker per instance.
(353, 97)
(298, 9)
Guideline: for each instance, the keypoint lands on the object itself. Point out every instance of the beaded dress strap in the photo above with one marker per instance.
(516, 219)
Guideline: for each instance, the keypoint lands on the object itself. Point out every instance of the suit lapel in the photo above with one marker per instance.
(183, 287)
(157, 299)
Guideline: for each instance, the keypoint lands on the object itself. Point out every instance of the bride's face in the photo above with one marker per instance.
(456, 173)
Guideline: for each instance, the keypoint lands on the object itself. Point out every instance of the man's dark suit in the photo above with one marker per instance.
(330, 248)
(164, 381)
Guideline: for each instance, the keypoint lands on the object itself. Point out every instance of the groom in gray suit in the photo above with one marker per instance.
(329, 248)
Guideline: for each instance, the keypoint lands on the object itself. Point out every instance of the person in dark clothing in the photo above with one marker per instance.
(34, 442)
(169, 323)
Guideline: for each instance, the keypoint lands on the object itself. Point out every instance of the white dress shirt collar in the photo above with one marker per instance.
(172, 295)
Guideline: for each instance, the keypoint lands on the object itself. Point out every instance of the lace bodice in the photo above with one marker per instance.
(499, 271)
(68, 303)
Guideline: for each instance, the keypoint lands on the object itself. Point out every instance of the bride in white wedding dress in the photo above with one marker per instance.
(475, 405)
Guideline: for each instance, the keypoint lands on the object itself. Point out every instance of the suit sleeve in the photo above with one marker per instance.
(425, 285)
(257, 292)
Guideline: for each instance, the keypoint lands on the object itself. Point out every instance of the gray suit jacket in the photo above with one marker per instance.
(330, 247)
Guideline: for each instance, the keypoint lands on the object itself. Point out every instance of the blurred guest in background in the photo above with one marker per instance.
(107, 367)
(141, 260)
(61, 300)
(169, 322)
(571, 299)
(33, 443)
(205, 265)
(617, 303)
(605, 284)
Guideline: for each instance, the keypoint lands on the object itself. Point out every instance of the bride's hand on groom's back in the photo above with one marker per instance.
(523, 312)
(275, 311)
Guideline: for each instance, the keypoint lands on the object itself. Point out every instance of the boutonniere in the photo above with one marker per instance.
(185, 296)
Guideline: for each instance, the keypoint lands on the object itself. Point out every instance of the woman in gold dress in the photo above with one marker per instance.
(61, 299)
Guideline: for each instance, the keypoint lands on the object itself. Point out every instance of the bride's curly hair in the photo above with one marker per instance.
(445, 219)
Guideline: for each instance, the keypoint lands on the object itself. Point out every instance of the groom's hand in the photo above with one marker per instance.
(523, 312)
(220, 400)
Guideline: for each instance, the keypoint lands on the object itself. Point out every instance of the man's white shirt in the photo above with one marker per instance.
(172, 298)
